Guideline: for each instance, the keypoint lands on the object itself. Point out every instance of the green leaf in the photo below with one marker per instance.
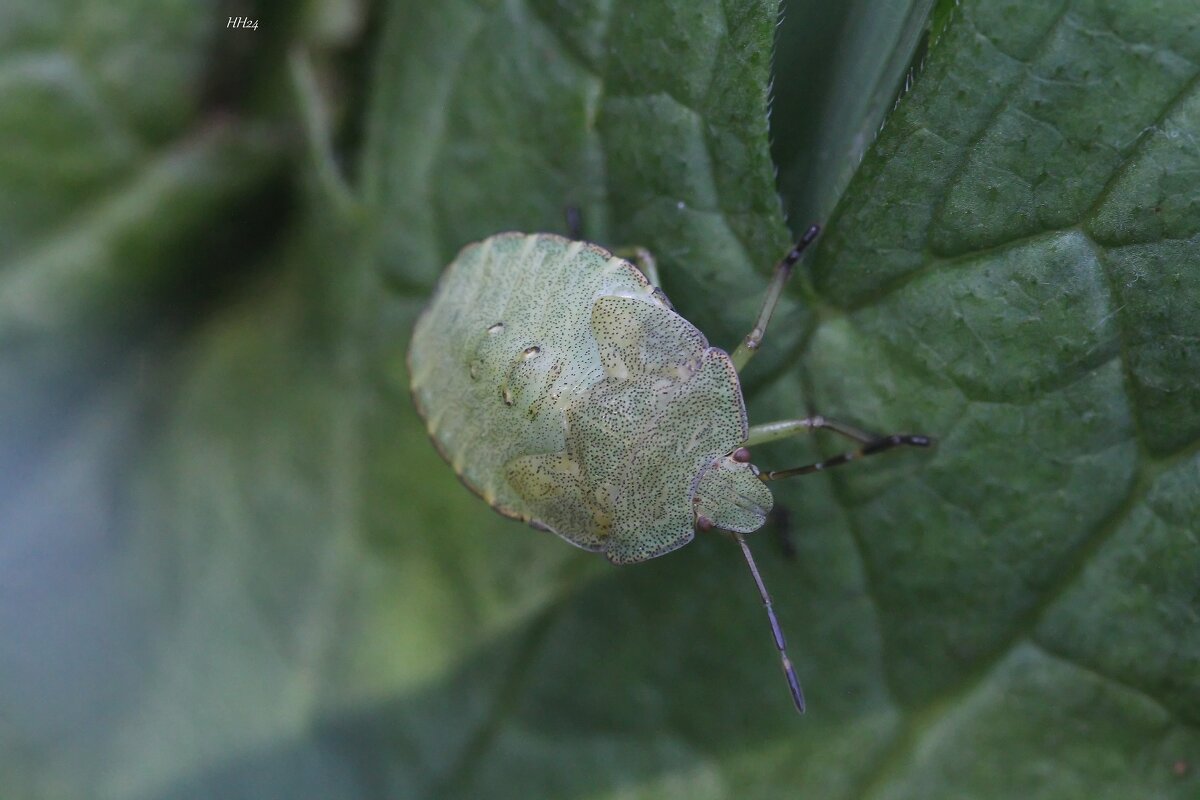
(232, 565)
(839, 72)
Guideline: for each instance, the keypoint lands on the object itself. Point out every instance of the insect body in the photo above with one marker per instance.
(563, 388)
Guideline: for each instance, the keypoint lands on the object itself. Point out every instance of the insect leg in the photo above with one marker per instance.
(780, 520)
(574, 222)
(783, 270)
(643, 259)
(777, 632)
(870, 443)
(783, 429)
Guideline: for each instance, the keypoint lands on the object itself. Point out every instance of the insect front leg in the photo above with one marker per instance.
(869, 443)
(783, 270)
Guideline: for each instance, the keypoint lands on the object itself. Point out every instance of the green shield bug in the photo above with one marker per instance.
(561, 386)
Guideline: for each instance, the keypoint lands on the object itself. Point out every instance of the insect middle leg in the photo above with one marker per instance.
(783, 270)
(869, 443)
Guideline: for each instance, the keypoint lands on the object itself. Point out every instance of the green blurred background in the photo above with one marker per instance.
(231, 565)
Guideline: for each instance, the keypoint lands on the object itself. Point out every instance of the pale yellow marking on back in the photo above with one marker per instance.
(618, 370)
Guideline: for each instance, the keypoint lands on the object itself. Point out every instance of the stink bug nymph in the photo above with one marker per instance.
(561, 386)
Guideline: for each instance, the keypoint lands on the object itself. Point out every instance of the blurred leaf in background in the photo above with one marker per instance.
(232, 566)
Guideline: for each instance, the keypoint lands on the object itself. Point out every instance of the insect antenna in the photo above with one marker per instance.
(788, 670)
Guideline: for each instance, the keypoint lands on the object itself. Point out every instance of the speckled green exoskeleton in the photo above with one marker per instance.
(562, 387)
